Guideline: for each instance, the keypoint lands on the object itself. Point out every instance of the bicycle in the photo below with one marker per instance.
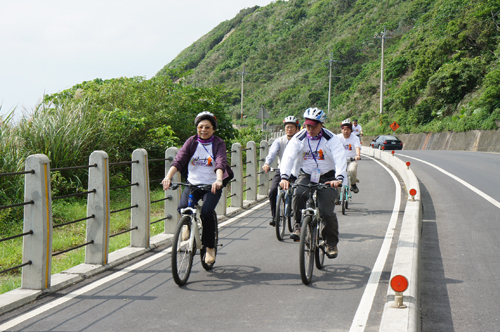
(283, 212)
(183, 250)
(312, 249)
(345, 192)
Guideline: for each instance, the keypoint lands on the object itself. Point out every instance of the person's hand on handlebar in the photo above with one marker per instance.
(334, 183)
(284, 184)
(266, 168)
(166, 183)
(216, 186)
(357, 158)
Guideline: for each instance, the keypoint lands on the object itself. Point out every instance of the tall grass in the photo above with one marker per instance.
(67, 133)
(11, 187)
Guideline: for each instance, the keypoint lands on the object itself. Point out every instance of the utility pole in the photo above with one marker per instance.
(243, 73)
(242, 76)
(382, 36)
(330, 64)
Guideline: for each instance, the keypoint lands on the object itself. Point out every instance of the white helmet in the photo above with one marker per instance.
(292, 119)
(346, 122)
(206, 116)
(315, 114)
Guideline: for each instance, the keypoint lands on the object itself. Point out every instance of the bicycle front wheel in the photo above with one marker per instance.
(306, 250)
(343, 199)
(182, 253)
(319, 255)
(279, 218)
(288, 212)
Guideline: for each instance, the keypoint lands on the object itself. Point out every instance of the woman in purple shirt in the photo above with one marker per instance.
(203, 158)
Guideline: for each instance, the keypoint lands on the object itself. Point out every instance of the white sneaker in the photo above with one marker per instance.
(210, 256)
(185, 233)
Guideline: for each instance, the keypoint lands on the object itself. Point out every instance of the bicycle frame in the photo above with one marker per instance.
(192, 213)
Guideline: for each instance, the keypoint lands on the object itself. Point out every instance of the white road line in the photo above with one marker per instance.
(18, 320)
(365, 305)
(454, 177)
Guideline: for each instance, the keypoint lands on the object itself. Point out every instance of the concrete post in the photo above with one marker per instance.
(251, 168)
(175, 196)
(222, 205)
(237, 167)
(263, 177)
(98, 205)
(37, 247)
(140, 195)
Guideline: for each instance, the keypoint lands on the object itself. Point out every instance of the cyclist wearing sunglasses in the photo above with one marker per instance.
(203, 160)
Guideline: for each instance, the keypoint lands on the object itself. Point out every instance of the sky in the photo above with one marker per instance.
(47, 46)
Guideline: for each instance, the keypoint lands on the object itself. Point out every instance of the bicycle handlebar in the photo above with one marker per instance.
(176, 185)
(313, 185)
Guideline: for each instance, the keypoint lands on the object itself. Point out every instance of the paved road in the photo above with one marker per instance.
(255, 285)
(460, 266)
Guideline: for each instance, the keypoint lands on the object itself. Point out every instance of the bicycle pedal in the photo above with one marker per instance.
(219, 245)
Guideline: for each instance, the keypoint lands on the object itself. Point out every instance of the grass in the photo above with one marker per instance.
(74, 234)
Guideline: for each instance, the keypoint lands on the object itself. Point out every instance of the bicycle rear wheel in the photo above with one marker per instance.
(306, 250)
(182, 254)
(204, 250)
(279, 218)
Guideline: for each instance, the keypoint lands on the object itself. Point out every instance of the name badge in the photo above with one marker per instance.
(315, 174)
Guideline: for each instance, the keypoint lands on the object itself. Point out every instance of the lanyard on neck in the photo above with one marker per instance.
(213, 158)
(313, 153)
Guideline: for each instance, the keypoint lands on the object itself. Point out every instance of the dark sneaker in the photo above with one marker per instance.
(296, 233)
(337, 201)
(354, 189)
(272, 222)
(332, 251)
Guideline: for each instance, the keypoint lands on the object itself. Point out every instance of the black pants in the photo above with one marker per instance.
(273, 192)
(326, 204)
(207, 212)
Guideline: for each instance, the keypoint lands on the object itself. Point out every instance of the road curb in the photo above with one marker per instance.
(407, 257)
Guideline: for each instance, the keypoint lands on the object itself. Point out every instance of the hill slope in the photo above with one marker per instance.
(441, 61)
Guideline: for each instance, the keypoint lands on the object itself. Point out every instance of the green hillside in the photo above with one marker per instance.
(441, 62)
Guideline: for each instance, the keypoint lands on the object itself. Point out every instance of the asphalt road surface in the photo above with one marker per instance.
(254, 286)
(460, 251)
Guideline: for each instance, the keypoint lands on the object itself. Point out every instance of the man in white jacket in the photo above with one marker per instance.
(292, 125)
(352, 147)
(321, 158)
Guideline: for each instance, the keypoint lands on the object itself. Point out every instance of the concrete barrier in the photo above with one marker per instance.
(406, 260)
(473, 140)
